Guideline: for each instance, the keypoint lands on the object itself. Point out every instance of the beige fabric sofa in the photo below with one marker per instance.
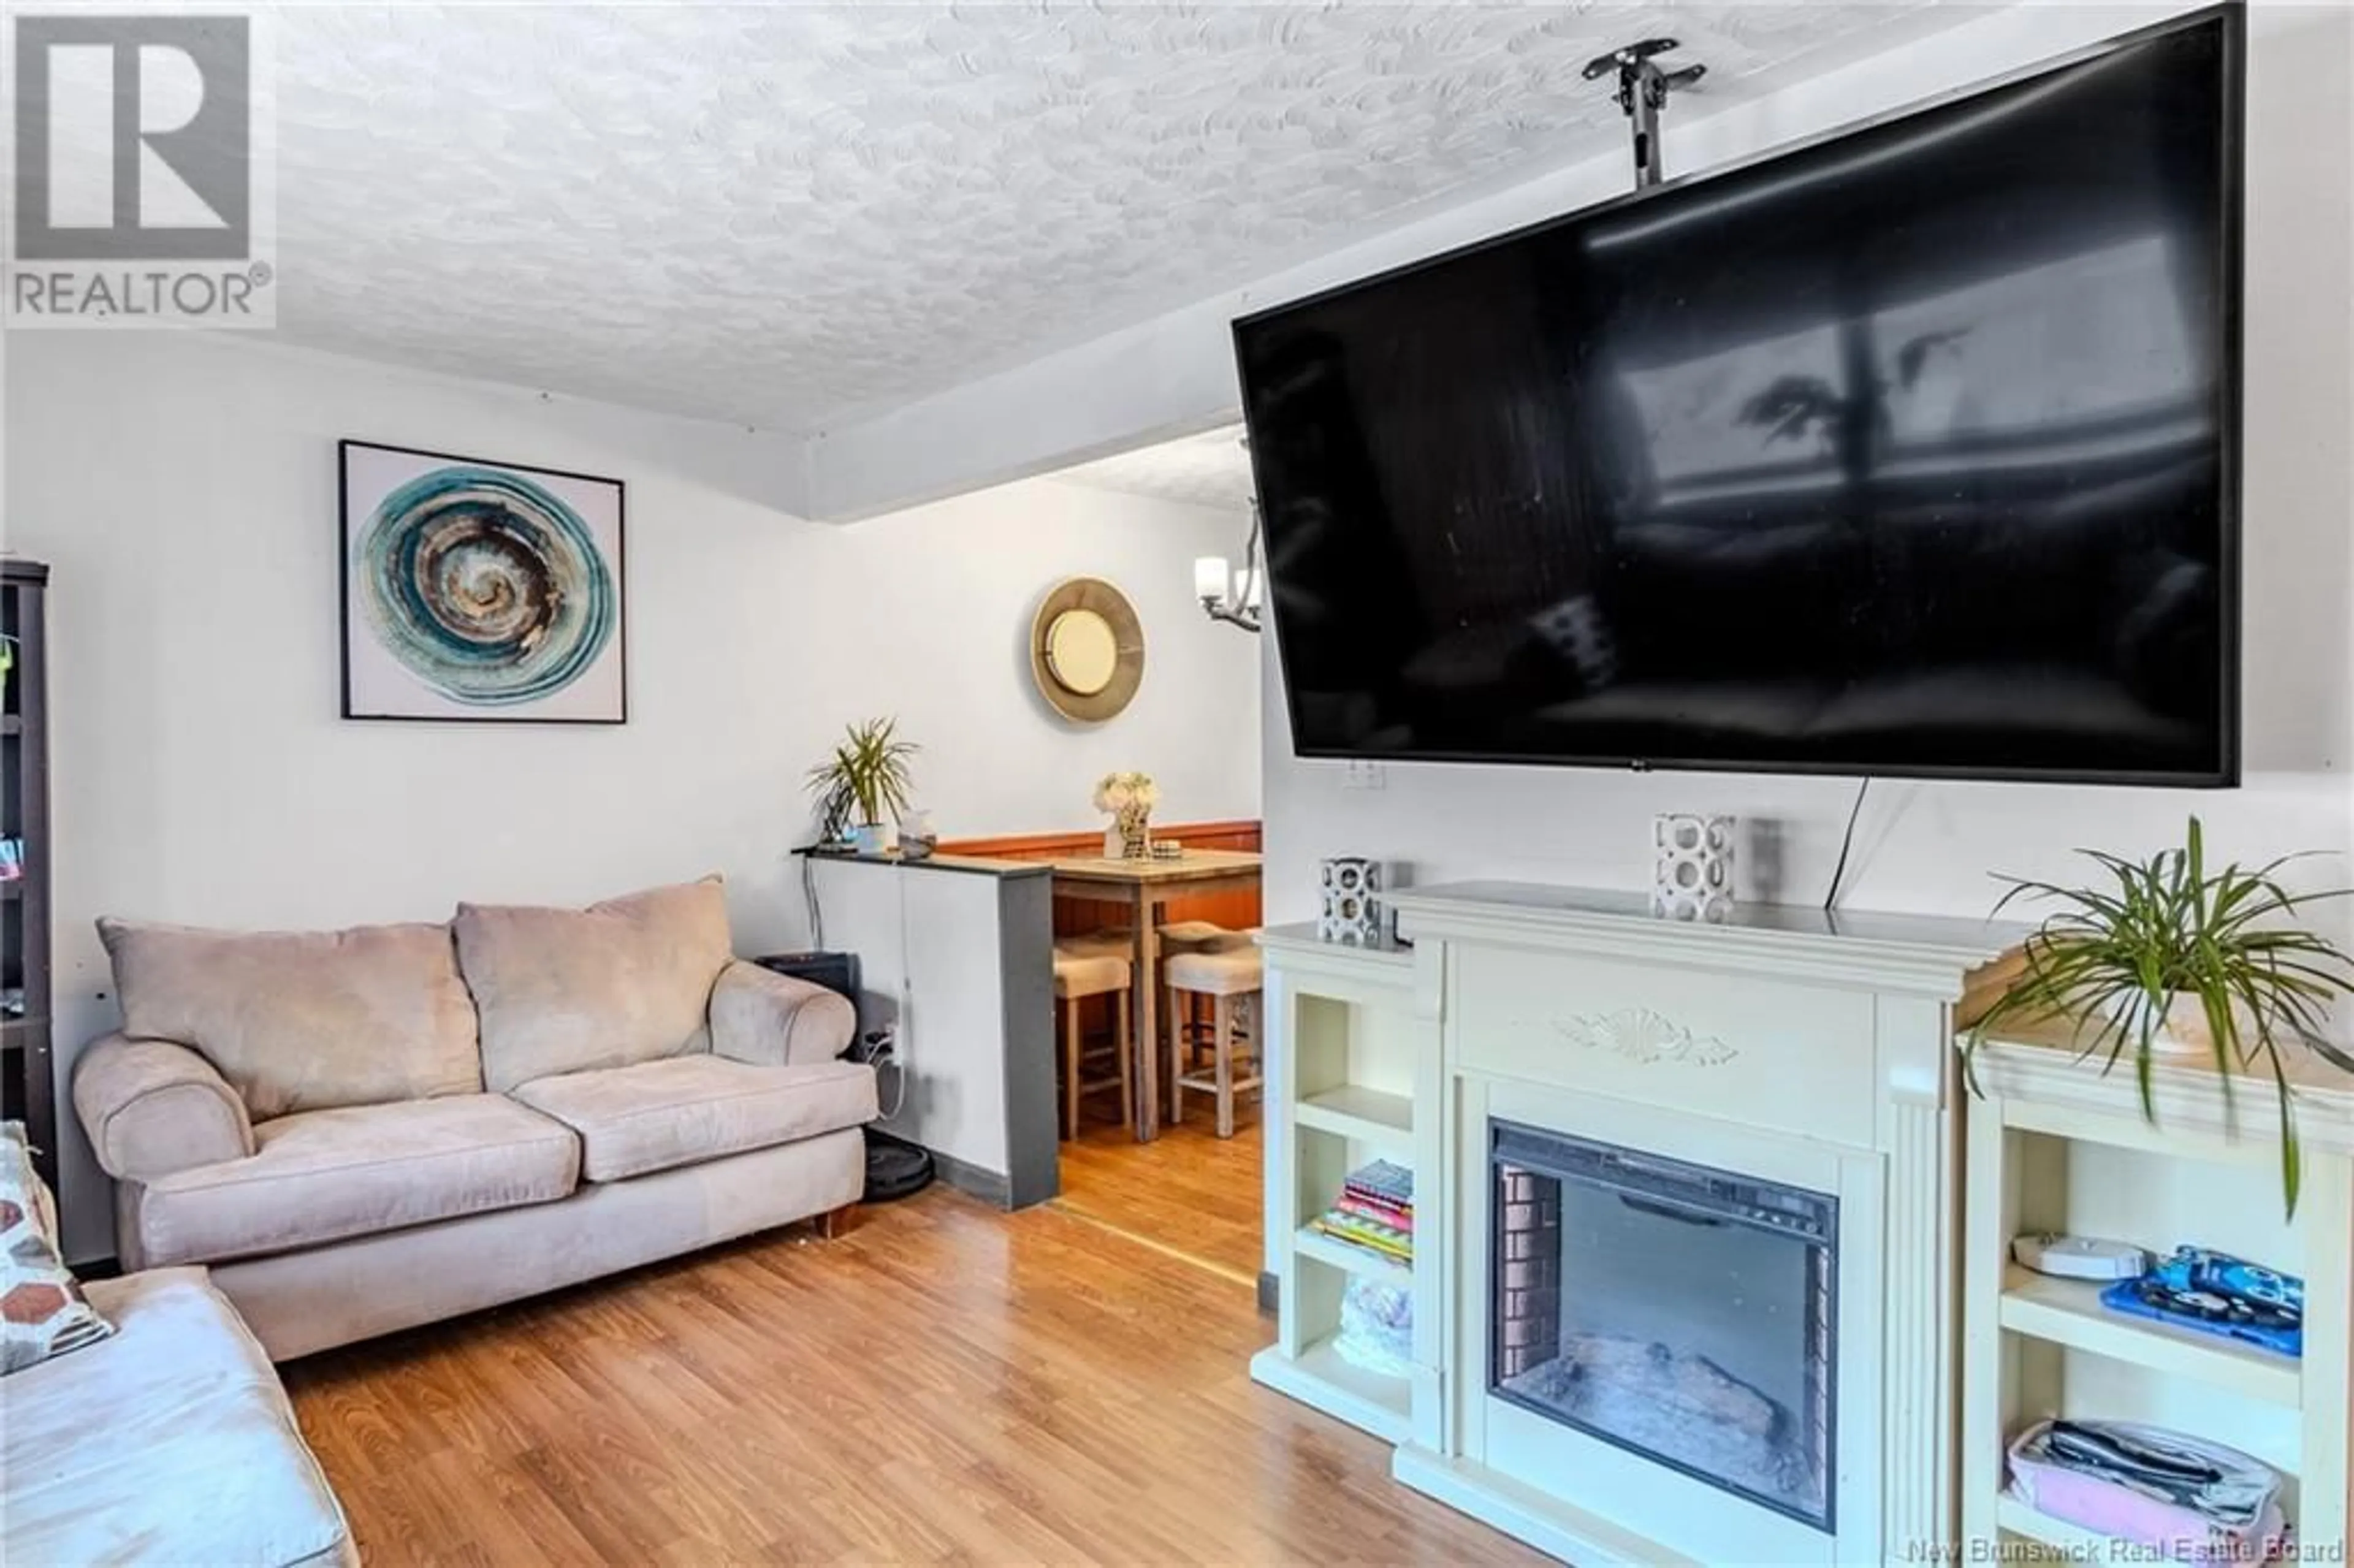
(168, 1442)
(364, 1130)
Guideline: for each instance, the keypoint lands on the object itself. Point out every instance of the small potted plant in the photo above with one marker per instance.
(1129, 798)
(2171, 960)
(866, 787)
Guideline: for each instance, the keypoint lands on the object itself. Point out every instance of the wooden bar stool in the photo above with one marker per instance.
(1184, 935)
(1079, 975)
(1097, 944)
(1176, 936)
(1185, 1032)
(1228, 977)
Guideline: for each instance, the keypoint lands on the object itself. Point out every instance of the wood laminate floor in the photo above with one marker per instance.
(1188, 1190)
(945, 1385)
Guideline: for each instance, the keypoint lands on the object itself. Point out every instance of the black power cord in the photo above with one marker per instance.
(809, 897)
(1846, 842)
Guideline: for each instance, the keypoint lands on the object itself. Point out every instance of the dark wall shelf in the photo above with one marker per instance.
(27, 1064)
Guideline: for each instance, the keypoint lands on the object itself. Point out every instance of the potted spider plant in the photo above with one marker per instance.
(864, 787)
(2168, 958)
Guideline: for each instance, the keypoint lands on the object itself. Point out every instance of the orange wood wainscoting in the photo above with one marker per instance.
(1073, 916)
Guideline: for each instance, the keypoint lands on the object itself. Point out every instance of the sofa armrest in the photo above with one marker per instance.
(152, 1108)
(772, 1020)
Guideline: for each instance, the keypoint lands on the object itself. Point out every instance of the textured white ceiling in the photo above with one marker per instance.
(1209, 470)
(777, 214)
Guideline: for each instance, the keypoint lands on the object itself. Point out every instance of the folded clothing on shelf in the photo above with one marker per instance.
(2216, 1293)
(2182, 1498)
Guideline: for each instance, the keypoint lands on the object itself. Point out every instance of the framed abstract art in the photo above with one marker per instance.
(479, 591)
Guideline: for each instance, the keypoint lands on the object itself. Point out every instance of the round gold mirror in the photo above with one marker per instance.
(1081, 651)
(1087, 650)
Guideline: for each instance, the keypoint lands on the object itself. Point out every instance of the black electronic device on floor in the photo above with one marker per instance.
(894, 1167)
(838, 972)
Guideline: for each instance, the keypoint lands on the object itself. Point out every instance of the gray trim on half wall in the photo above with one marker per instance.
(1026, 921)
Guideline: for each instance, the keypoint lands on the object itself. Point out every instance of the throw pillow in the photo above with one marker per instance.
(42, 1313)
(567, 991)
(301, 1021)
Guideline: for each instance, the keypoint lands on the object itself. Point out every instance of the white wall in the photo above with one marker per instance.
(184, 490)
(1930, 847)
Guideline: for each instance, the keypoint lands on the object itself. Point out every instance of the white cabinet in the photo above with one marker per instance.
(2058, 1145)
(1350, 1060)
(956, 956)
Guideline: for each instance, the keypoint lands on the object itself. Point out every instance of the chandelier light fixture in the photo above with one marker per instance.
(1232, 595)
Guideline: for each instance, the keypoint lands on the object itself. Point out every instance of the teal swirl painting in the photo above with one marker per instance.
(479, 590)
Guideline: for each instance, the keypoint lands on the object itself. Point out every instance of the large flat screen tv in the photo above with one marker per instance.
(1910, 451)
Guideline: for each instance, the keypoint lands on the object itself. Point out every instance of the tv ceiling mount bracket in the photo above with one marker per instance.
(1643, 89)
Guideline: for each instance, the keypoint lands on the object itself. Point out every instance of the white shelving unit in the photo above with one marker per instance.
(2056, 1145)
(1370, 1116)
(1349, 1041)
(2068, 1312)
(1309, 1241)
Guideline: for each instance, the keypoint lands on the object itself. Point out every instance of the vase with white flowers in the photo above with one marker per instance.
(1130, 799)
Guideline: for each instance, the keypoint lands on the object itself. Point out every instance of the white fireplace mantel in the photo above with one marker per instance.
(1788, 1043)
(1891, 954)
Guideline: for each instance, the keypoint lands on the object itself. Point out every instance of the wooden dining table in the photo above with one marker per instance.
(1145, 886)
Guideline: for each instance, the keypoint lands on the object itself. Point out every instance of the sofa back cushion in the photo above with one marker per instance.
(301, 1021)
(564, 991)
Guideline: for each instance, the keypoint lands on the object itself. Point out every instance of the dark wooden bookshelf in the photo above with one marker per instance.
(27, 1062)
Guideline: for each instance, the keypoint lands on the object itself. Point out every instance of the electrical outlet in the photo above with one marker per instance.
(1361, 775)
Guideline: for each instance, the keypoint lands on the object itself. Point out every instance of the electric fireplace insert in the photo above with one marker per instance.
(1683, 1313)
